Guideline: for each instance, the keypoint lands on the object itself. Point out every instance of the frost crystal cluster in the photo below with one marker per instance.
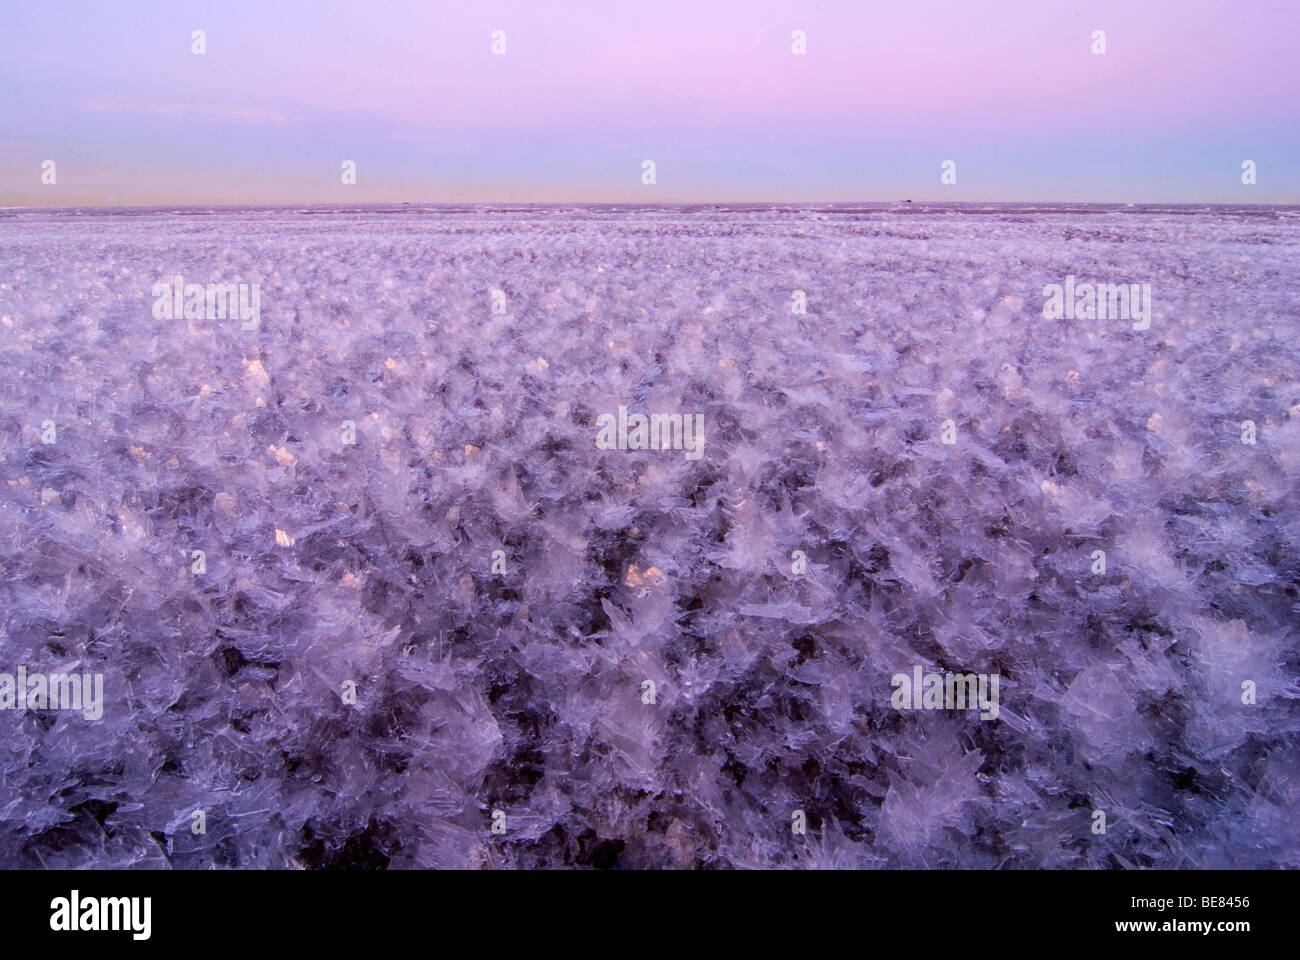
(365, 591)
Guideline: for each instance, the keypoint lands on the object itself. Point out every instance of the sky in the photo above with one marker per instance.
(711, 91)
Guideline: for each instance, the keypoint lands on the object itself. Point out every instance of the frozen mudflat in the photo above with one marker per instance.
(328, 564)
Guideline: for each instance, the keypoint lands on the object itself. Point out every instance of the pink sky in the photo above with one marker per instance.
(710, 91)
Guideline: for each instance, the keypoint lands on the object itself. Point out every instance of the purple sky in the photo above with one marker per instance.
(1010, 90)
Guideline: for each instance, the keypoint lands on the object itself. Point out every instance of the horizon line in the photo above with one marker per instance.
(646, 203)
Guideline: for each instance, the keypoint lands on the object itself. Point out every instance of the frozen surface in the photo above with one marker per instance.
(522, 692)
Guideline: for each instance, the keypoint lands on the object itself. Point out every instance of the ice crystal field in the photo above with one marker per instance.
(473, 637)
